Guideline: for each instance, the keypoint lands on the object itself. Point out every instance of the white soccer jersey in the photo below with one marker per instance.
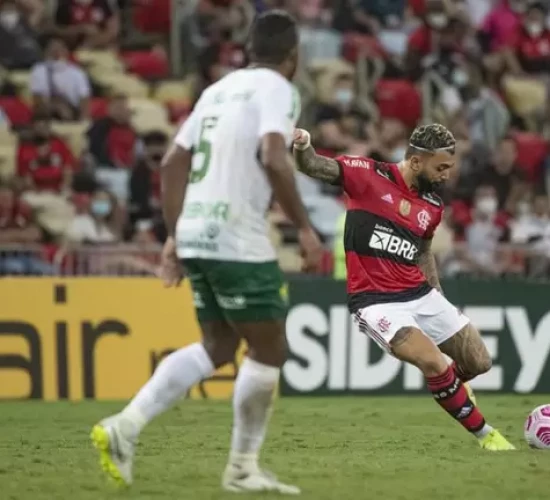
(228, 195)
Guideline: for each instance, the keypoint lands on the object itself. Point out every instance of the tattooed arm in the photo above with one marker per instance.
(310, 163)
(427, 264)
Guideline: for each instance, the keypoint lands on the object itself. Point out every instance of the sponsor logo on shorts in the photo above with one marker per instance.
(393, 244)
(233, 303)
(197, 300)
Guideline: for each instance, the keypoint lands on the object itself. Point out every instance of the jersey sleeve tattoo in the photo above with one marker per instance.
(317, 166)
(428, 265)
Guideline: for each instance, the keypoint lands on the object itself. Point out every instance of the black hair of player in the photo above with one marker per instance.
(430, 155)
(273, 41)
(428, 139)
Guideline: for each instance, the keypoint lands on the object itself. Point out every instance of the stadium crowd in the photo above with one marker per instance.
(88, 105)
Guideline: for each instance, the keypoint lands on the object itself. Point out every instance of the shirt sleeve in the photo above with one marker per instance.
(188, 133)
(355, 174)
(279, 110)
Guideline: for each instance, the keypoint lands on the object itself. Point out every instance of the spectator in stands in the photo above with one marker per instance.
(501, 24)
(390, 144)
(99, 224)
(530, 52)
(482, 255)
(93, 24)
(436, 42)
(112, 141)
(506, 177)
(341, 123)
(34, 11)
(484, 112)
(18, 227)
(144, 200)
(44, 160)
(531, 229)
(60, 87)
(371, 16)
(19, 47)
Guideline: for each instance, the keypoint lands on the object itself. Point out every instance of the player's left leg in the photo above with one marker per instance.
(456, 337)
(469, 353)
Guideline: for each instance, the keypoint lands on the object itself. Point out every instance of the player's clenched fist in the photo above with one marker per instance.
(302, 139)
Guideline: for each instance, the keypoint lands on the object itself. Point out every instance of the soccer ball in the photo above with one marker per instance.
(537, 428)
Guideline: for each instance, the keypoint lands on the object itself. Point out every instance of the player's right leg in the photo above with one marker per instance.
(254, 302)
(115, 437)
(402, 337)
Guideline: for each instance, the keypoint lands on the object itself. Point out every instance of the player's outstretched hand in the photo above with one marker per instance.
(170, 272)
(301, 138)
(311, 249)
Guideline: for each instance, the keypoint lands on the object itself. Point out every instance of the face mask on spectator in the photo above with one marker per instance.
(101, 208)
(343, 96)
(9, 18)
(518, 6)
(437, 20)
(487, 205)
(460, 78)
(534, 29)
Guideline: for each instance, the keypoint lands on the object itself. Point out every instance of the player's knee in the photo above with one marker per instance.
(221, 351)
(483, 364)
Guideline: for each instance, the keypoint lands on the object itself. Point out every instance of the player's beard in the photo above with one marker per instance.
(425, 185)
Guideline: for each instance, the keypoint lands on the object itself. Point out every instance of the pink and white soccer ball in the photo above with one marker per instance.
(537, 428)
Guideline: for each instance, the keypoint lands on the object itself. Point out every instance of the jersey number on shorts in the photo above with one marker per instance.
(204, 149)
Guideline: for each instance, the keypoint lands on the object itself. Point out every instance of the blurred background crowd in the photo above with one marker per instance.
(92, 91)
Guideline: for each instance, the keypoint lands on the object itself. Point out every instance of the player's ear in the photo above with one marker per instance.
(415, 163)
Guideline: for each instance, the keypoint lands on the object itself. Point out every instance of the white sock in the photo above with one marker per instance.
(253, 395)
(174, 376)
(486, 429)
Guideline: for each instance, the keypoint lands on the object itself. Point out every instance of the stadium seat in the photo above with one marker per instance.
(152, 16)
(73, 133)
(8, 154)
(356, 44)
(148, 115)
(399, 99)
(18, 112)
(118, 83)
(178, 110)
(532, 151)
(100, 59)
(98, 107)
(20, 79)
(175, 90)
(146, 63)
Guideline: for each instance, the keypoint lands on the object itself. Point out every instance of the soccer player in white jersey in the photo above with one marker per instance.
(228, 160)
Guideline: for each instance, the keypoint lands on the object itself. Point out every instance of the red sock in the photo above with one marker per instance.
(450, 394)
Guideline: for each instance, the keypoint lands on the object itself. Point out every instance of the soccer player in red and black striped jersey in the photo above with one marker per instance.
(393, 287)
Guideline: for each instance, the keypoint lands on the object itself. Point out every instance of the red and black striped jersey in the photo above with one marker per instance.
(386, 226)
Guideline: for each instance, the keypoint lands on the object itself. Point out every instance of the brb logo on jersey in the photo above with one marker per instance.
(394, 245)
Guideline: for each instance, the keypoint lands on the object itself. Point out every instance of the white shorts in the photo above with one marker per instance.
(433, 314)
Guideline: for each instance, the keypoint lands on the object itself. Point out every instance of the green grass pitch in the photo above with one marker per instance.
(334, 448)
